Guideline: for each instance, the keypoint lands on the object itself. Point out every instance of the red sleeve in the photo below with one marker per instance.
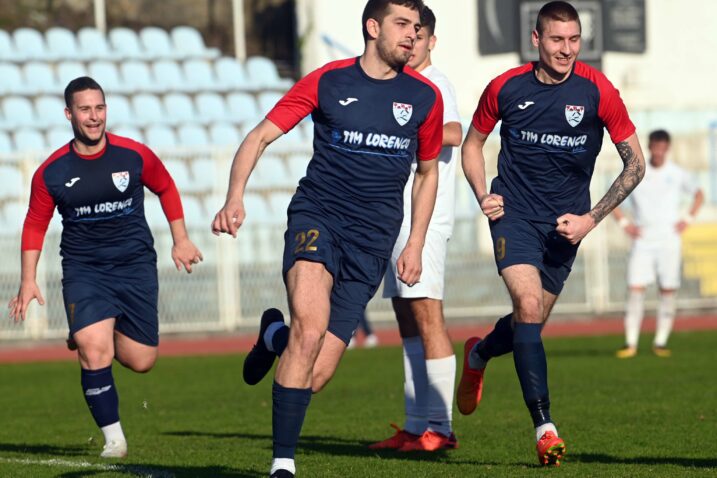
(158, 180)
(487, 113)
(39, 214)
(430, 133)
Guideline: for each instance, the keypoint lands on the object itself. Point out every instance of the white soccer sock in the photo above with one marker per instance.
(633, 317)
(282, 464)
(415, 386)
(540, 431)
(113, 432)
(665, 319)
(441, 375)
(269, 334)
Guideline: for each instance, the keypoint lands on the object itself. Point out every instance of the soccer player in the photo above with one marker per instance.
(656, 248)
(553, 112)
(109, 266)
(371, 117)
(428, 360)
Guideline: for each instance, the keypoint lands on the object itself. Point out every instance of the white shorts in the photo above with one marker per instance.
(434, 268)
(650, 261)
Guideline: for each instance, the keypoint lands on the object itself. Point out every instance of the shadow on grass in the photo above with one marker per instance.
(569, 353)
(168, 472)
(643, 460)
(27, 448)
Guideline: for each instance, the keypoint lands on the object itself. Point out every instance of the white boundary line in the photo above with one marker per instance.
(133, 469)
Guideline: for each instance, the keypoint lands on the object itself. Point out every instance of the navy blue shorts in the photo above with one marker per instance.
(129, 293)
(357, 275)
(520, 241)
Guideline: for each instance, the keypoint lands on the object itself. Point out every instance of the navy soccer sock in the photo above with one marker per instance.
(280, 339)
(499, 341)
(101, 395)
(289, 410)
(532, 368)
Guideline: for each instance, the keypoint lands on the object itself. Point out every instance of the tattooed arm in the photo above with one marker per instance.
(575, 228)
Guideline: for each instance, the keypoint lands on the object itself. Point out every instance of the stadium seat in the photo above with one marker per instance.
(119, 110)
(40, 78)
(7, 48)
(222, 134)
(188, 43)
(262, 73)
(153, 212)
(12, 183)
(160, 136)
(278, 204)
(18, 111)
(68, 71)
(270, 172)
(179, 108)
(194, 215)
(199, 76)
(13, 215)
(126, 44)
(156, 43)
(257, 209)
(297, 166)
(93, 45)
(148, 110)
(267, 101)
(210, 108)
(6, 146)
(129, 132)
(137, 77)
(61, 44)
(59, 136)
(242, 108)
(30, 140)
(12, 81)
(169, 76)
(51, 111)
(106, 74)
(204, 172)
(180, 173)
(30, 44)
(192, 135)
(231, 75)
(291, 142)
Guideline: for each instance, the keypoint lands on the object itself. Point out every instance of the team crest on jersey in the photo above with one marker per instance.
(121, 180)
(574, 114)
(402, 112)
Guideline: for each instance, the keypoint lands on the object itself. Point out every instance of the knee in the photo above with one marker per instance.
(138, 364)
(529, 309)
(319, 380)
(95, 356)
(306, 341)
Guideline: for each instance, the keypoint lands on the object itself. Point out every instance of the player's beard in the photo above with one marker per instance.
(82, 138)
(393, 57)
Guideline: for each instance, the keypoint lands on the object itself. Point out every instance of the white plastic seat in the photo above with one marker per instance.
(129, 132)
(137, 77)
(194, 215)
(271, 172)
(148, 110)
(6, 146)
(126, 44)
(160, 136)
(168, 76)
(7, 48)
(30, 44)
(59, 136)
(267, 101)
(40, 78)
(13, 217)
(223, 134)
(231, 74)
(156, 43)
(291, 142)
(278, 204)
(12, 81)
(18, 111)
(153, 212)
(51, 109)
(257, 209)
(93, 45)
(263, 74)
(12, 182)
(242, 108)
(30, 140)
(204, 172)
(298, 163)
(192, 135)
(118, 109)
(179, 108)
(180, 173)
(61, 44)
(106, 74)
(68, 71)
(211, 108)
(188, 43)
(199, 76)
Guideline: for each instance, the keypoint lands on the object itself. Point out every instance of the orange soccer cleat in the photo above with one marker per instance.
(551, 449)
(431, 441)
(470, 387)
(398, 440)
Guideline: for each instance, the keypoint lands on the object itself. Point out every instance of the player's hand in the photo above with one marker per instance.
(185, 253)
(492, 206)
(409, 265)
(681, 226)
(575, 228)
(229, 218)
(633, 231)
(19, 304)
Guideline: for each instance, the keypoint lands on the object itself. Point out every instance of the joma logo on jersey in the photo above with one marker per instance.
(402, 112)
(121, 180)
(574, 114)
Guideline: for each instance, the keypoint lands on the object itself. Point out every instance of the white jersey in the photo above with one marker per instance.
(444, 210)
(656, 200)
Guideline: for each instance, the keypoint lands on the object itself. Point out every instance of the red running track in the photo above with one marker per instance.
(230, 344)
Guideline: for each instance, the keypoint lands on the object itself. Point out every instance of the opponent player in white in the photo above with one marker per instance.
(656, 249)
(428, 359)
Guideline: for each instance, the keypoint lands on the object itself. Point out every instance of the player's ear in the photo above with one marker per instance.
(68, 113)
(432, 42)
(535, 37)
(373, 27)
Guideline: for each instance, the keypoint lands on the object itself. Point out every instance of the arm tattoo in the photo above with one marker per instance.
(632, 173)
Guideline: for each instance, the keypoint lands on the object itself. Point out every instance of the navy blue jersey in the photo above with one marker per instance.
(366, 133)
(550, 138)
(101, 200)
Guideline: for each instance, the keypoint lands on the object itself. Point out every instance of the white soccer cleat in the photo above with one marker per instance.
(114, 449)
(370, 341)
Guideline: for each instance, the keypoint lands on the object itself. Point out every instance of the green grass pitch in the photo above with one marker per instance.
(192, 417)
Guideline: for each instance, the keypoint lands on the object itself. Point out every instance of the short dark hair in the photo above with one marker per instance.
(659, 135)
(81, 84)
(428, 20)
(378, 9)
(559, 11)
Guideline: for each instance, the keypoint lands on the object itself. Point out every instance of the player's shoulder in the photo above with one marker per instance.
(593, 75)
(497, 83)
(334, 65)
(423, 82)
(58, 154)
(128, 143)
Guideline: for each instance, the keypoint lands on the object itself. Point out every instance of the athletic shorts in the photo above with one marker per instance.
(520, 241)
(129, 293)
(433, 261)
(650, 261)
(356, 274)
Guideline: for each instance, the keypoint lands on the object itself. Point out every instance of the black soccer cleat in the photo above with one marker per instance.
(282, 474)
(260, 360)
